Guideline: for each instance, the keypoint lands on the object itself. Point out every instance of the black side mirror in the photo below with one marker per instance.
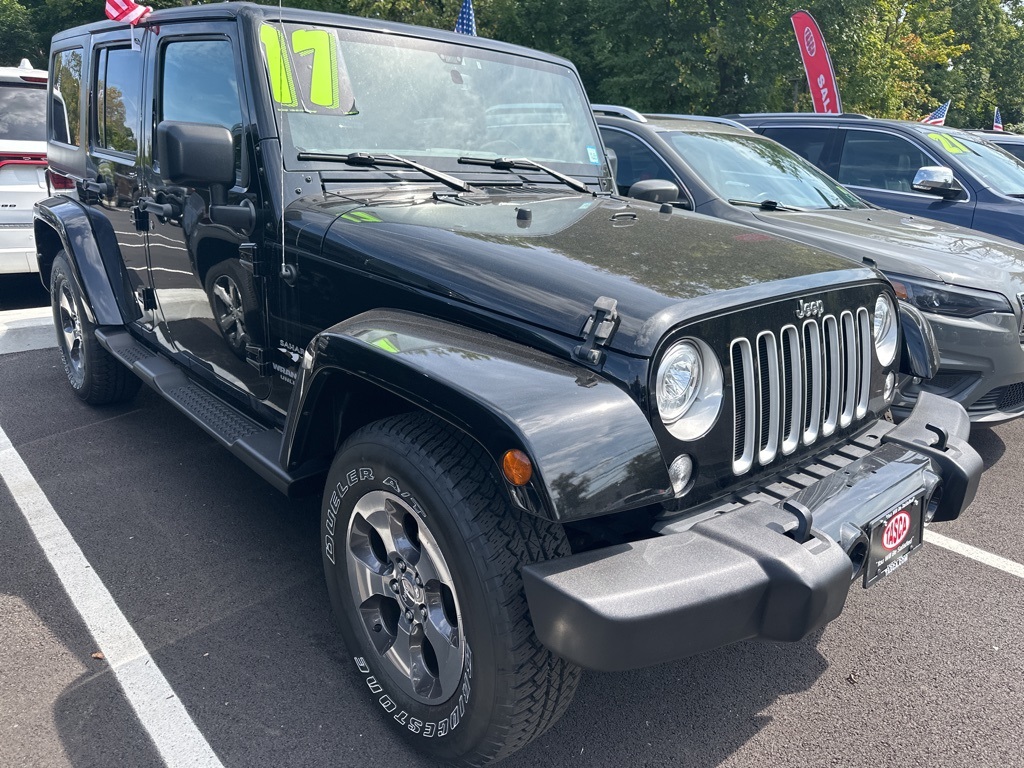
(655, 191)
(197, 155)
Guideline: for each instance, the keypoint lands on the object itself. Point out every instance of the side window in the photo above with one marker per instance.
(636, 161)
(118, 93)
(65, 97)
(199, 84)
(880, 160)
(809, 143)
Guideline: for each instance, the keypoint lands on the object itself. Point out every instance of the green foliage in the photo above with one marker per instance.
(17, 36)
(893, 58)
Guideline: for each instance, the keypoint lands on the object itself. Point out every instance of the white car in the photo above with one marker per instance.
(22, 163)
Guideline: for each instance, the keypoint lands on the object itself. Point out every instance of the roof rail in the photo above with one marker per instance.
(705, 118)
(610, 110)
(847, 115)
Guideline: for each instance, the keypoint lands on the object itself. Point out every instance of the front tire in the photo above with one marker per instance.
(422, 552)
(94, 374)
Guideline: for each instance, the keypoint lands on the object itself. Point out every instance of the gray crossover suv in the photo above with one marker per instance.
(970, 285)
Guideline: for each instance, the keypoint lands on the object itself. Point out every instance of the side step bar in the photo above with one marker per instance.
(258, 446)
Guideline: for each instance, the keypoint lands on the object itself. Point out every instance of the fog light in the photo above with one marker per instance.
(681, 473)
(890, 387)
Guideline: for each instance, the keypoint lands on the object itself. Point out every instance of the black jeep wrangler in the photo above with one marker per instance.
(553, 428)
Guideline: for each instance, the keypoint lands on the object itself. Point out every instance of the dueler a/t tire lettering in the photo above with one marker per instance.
(422, 552)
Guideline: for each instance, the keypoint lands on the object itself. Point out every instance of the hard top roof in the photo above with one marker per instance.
(233, 10)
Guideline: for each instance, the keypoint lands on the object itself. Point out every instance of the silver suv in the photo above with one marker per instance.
(22, 162)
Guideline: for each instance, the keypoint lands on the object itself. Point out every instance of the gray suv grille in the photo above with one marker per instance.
(798, 384)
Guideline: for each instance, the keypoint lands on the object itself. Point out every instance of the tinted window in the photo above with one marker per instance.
(188, 92)
(809, 143)
(118, 91)
(199, 84)
(22, 112)
(65, 111)
(1017, 150)
(637, 161)
(880, 160)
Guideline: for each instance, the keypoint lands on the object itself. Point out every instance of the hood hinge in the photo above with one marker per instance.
(598, 331)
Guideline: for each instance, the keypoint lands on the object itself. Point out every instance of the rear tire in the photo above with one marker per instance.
(422, 551)
(96, 376)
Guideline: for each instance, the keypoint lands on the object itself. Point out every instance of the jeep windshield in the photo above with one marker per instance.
(1000, 170)
(341, 92)
(749, 169)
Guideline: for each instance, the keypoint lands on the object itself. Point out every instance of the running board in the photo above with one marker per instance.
(258, 446)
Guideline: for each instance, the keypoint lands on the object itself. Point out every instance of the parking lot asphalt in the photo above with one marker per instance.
(219, 577)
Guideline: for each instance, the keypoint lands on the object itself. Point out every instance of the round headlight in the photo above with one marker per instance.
(884, 330)
(688, 389)
(679, 379)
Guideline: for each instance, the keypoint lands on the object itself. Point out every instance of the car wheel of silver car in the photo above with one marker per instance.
(233, 300)
(422, 552)
(94, 374)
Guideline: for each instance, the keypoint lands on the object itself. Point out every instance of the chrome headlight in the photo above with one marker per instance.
(884, 330)
(688, 389)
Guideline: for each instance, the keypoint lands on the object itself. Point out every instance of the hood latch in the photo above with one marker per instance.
(598, 331)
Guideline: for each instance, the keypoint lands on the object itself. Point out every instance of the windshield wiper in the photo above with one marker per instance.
(522, 163)
(833, 205)
(368, 160)
(766, 205)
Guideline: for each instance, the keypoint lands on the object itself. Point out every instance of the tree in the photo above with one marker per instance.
(17, 38)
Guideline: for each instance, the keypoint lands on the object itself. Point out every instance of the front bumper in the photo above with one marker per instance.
(744, 574)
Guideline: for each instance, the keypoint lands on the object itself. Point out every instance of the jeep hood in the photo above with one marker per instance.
(909, 245)
(545, 259)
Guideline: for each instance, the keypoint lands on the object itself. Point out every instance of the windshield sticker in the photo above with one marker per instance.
(952, 145)
(306, 71)
(594, 157)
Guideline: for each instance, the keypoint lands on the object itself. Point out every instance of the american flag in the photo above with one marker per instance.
(127, 10)
(997, 121)
(938, 117)
(466, 23)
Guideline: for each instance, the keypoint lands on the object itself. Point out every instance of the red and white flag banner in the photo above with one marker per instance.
(127, 11)
(821, 79)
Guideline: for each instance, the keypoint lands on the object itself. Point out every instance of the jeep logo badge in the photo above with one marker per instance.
(810, 309)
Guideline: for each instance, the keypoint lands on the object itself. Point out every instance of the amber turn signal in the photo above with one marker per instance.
(517, 467)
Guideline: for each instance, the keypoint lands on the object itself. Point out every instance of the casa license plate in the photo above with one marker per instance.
(893, 537)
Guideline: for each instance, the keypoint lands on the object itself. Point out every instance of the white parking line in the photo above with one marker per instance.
(1009, 566)
(162, 715)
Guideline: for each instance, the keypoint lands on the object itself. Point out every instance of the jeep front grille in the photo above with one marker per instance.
(797, 384)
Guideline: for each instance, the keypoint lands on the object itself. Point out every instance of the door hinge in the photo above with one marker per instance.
(247, 254)
(598, 331)
(147, 298)
(258, 358)
(140, 218)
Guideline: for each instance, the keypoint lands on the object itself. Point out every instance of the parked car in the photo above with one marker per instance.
(926, 170)
(553, 428)
(969, 285)
(22, 162)
(1008, 142)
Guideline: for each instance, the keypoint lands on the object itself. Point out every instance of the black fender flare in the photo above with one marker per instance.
(920, 349)
(83, 241)
(592, 449)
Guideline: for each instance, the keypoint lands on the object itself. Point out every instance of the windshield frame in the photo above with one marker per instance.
(471, 53)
